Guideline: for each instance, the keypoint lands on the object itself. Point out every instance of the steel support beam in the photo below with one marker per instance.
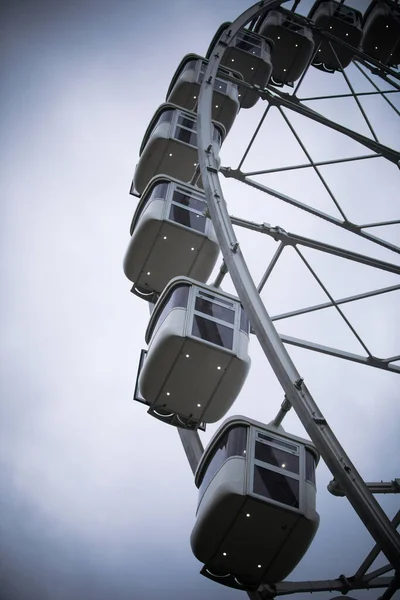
(342, 585)
(236, 174)
(292, 239)
(334, 455)
(375, 487)
(192, 446)
(279, 98)
(378, 363)
(315, 307)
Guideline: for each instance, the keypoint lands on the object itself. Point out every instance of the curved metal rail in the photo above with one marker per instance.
(334, 455)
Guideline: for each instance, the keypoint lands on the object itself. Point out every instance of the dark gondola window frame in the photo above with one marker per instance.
(277, 443)
(191, 210)
(253, 41)
(221, 325)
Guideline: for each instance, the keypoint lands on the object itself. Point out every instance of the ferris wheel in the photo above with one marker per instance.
(257, 481)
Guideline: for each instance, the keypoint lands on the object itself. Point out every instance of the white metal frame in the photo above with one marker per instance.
(348, 480)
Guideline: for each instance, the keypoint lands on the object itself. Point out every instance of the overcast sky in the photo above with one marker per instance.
(97, 498)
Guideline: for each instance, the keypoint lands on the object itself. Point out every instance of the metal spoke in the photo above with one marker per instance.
(292, 239)
(381, 92)
(254, 136)
(315, 164)
(228, 172)
(321, 178)
(348, 299)
(281, 98)
(369, 361)
(354, 95)
(358, 94)
(271, 265)
(339, 310)
(373, 555)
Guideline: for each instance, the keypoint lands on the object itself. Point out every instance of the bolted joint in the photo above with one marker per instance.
(235, 247)
(298, 384)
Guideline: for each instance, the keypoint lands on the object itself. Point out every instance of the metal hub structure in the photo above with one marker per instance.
(382, 255)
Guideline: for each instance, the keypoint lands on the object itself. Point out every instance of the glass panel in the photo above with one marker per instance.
(184, 135)
(212, 332)
(187, 200)
(215, 310)
(249, 37)
(178, 214)
(247, 47)
(217, 136)
(244, 321)
(276, 457)
(187, 122)
(232, 443)
(279, 442)
(177, 297)
(310, 466)
(216, 298)
(276, 486)
(165, 116)
(220, 86)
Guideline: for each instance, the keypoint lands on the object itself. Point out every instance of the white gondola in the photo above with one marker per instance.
(185, 87)
(250, 54)
(256, 514)
(294, 45)
(197, 358)
(381, 32)
(169, 146)
(170, 236)
(344, 23)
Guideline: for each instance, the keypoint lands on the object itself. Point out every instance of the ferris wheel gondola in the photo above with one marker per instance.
(170, 236)
(342, 21)
(197, 358)
(251, 55)
(256, 513)
(293, 41)
(169, 146)
(185, 86)
(381, 32)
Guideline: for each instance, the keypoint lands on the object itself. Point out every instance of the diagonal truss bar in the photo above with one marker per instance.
(378, 572)
(321, 163)
(378, 91)
(271, 265)
(380, 224)
(315, 307)
(391, 589)
(339, 310)
(239, 176)
(358, 94)
(347, 80)
(370, 361)
(341, 584)
(281, 98)
(320, 177)
(254, 136)
(373, 555)
(293, 239)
